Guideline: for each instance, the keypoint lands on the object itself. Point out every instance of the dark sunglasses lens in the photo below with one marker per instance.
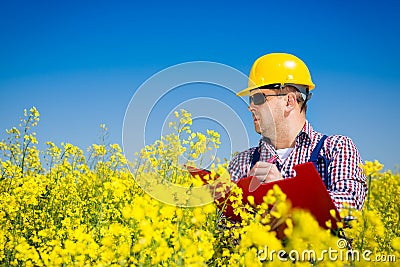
(257, 99)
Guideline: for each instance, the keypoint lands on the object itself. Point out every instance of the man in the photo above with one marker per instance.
(279, 88)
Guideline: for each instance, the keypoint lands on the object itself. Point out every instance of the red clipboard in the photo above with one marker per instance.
(305, 191)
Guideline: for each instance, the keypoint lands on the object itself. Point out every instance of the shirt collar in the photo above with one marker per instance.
(306, 133)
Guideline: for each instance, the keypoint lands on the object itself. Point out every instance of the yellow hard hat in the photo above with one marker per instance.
(278, 68)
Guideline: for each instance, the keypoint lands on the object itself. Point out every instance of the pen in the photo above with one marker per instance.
(272, 159)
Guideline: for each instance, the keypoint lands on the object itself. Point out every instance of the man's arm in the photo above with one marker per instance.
(239, 165)
(348, 182)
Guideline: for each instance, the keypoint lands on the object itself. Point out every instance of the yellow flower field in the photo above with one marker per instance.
(65, 206)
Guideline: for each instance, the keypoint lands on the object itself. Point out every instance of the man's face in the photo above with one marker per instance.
(265, 114)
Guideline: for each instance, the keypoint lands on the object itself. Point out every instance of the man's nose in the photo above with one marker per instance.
(251, 107)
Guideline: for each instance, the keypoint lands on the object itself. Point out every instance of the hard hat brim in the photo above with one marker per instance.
(246, 91)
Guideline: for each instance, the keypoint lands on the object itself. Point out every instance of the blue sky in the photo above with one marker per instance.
(80, 63)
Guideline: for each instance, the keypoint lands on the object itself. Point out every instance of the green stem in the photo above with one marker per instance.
(369, 191)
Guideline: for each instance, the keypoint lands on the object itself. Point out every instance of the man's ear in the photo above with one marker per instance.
(291, 101)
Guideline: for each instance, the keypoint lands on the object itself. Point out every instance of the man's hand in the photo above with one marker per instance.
(265, 172)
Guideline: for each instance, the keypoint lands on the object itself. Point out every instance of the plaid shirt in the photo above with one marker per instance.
(347, 183)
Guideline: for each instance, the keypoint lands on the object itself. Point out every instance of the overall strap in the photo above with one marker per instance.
(315, 153)
(255, 157)
(317, 158)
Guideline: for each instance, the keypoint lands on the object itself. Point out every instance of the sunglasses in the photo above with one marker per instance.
(261, 98)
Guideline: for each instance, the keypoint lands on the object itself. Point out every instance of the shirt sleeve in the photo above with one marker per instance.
(238, 166)
(348, 182)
